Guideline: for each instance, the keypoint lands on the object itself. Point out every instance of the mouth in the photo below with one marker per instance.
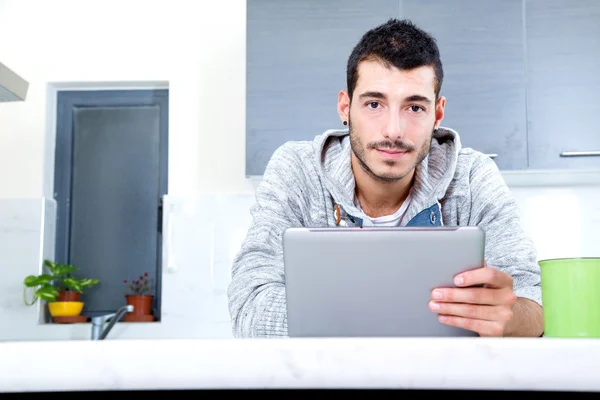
(391, 154)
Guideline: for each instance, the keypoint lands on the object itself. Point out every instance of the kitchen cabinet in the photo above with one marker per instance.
(482, 49)
(563, 79)
(296, 65)
(521, 76)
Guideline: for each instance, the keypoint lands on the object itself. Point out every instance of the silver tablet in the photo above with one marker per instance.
(374, 282)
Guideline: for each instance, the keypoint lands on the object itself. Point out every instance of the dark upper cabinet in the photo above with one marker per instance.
(563, 79)
(482, 49)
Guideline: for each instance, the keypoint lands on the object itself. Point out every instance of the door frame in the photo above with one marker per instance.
(66, 101)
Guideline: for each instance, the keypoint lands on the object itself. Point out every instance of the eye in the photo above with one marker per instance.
(415, 108)
(373, 104)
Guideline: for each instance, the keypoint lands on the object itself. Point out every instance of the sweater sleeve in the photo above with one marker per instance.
(257, 300)
(508, 248)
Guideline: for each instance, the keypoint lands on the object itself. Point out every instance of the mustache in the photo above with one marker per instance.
(397, 145)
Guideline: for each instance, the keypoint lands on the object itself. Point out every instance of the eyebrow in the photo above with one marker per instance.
(412, 98)
(419, 98)
(376, 95)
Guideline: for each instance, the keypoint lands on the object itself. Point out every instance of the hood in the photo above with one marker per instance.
(12, 86)
(432, 176)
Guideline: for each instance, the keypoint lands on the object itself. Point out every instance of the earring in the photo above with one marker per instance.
(345, 123)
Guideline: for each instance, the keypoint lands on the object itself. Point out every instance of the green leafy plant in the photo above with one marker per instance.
(59, 278)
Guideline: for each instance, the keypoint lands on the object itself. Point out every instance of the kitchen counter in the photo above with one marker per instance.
(422, 363)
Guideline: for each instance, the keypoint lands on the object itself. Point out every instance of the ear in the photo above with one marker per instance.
(440, 106)
(343, 105)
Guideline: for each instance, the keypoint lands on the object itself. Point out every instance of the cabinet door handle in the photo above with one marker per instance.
(580, 153)
(492, 155)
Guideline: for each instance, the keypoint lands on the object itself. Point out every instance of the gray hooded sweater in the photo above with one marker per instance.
(303, 182)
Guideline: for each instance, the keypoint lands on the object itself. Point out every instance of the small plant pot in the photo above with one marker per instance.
(68, 295)
(142, 305)
(65, 308)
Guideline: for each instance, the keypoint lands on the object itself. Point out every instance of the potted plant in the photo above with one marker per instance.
(139, 295)
(59, 288)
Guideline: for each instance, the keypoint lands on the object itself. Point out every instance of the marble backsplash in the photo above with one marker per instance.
(23, 245)
(202, 235)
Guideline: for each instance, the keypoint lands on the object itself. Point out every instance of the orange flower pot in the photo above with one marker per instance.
(142, 305)
(68, 295)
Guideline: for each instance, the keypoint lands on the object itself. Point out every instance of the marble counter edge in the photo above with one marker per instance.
(410, 363)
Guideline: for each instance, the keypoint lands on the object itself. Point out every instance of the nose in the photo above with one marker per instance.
(395, 126)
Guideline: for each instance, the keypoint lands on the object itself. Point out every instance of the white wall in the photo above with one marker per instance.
(199, 49)
(197, 46)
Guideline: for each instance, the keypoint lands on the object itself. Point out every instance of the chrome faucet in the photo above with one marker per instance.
(99, 321)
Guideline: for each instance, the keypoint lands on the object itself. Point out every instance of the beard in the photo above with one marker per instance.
(359, 150)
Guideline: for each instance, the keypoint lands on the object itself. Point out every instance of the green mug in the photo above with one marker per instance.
(571, 297)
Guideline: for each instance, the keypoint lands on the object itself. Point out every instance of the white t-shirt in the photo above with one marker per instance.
(393, 219)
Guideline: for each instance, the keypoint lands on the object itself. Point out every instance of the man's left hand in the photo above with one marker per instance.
(486, 310)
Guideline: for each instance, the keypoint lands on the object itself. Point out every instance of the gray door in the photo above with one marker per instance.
(110, 176)
(296, 64)
(484, 72)
(563, 78)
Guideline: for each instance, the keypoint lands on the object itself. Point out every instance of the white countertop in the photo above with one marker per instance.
(428, 363)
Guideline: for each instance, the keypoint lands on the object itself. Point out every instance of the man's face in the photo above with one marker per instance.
(391, 118)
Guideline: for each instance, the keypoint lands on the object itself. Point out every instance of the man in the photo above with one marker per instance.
(396, 166)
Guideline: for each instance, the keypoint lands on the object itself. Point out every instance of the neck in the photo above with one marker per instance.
(378, 198)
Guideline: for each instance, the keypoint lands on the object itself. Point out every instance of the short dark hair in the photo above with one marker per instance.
(399, 43)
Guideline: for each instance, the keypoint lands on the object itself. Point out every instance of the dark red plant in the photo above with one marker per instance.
(139, 286)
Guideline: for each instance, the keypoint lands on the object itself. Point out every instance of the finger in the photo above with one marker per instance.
(483, 296)
(482, 327)
(473, 311)
(492, 277)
